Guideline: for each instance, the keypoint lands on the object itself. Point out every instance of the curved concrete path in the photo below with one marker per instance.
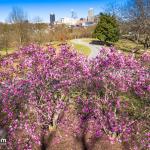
(94, 48)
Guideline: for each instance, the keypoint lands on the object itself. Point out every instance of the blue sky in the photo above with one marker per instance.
(61, 8)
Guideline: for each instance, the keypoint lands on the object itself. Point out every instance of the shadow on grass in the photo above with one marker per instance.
(98, 42)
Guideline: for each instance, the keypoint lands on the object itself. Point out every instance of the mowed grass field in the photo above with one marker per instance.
(82, 49)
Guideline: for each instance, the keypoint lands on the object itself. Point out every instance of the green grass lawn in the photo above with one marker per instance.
(82, 49)
(88, 40)
(123, 44)
(127, 45)
(10, 51)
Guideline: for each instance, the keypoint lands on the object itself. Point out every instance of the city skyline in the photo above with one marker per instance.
(61, 8)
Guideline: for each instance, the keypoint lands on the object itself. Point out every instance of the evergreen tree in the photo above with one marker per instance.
(107, 29)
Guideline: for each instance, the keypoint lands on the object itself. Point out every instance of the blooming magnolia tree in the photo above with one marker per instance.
(109, 95)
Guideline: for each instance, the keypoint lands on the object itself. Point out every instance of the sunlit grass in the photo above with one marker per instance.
(82, 49)
(3, 51)
(127, 45)
(88, 40)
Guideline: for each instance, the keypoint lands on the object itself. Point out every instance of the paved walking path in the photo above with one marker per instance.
(94, 48)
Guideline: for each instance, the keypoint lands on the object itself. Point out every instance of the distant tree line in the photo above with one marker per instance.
(130, 21)
(18, 31)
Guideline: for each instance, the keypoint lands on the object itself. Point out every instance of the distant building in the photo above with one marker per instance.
(88, 24)
(90, 15)
(26, 21)
(81, 21)
(52, 18)
(73, 14)
(96, 18)
(69, 21)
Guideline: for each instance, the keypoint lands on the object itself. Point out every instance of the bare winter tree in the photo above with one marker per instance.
(137, 15)
(4, 37)
(39, 30)
(114, 8)
(17, 15)
(19, 18)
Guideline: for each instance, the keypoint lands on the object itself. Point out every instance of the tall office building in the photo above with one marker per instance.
(91, 15)
(52, 18)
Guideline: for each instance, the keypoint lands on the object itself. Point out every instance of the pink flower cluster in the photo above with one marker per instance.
(38, 86)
